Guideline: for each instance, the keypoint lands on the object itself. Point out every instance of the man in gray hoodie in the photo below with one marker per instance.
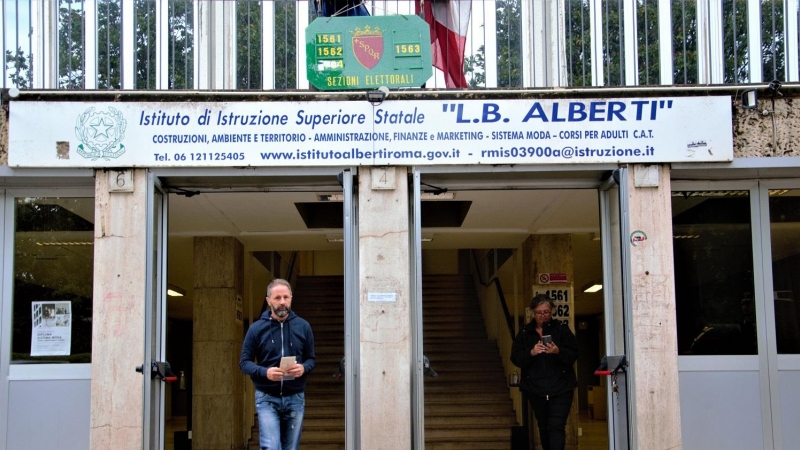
(280, 385)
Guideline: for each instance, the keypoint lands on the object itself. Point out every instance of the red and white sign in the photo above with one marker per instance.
(368, 47)
(552, 278)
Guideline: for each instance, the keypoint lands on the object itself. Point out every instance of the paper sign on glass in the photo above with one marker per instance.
(51, 333)
(286, 362)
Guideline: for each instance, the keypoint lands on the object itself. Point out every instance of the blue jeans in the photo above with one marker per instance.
(280, 420)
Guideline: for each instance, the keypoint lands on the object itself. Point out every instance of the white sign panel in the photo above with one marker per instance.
(390, 297)
(401, 132)
(51, 333)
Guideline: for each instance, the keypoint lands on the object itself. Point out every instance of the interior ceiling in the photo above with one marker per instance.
(273, 221)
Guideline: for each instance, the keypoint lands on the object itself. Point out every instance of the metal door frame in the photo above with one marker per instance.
(18, 185)
(248, 180)
(757, 175)
(776, 362)
(155, 313)
(352, 343)
(621, 429)
(521, 177)
(415, 307)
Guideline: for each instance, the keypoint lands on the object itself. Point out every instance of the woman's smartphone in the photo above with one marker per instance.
(546, 339)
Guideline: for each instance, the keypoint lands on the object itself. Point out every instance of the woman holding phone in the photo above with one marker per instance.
(546, 351)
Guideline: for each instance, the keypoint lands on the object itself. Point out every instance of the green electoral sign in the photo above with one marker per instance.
(368, 52)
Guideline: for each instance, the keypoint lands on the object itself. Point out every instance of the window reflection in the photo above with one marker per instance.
(712, 244)
(784, 219)
(53, 270)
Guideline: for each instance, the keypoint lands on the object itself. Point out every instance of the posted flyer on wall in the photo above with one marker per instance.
(399, 132)
(51, 333)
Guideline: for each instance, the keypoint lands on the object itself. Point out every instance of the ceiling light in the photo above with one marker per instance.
(334, 238)
(687, 194)
(330, 197)
(593, 288)
(175, 291)
(777, 192)
(422, 196)
(435, 196)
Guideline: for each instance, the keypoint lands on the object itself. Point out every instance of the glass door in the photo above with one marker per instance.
(417, 363)
(616, 290)
(298, 225)
(351, 305)
(47, 310)
(779, 214)
(721, 318)
(155, 314)
(479, 243)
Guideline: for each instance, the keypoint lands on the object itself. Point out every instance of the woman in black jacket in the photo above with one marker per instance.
(546, 350)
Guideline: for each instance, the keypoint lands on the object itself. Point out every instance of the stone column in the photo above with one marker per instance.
(385, 343)
(549, 253)
(655, 345)
(118, 315)
(217, 384)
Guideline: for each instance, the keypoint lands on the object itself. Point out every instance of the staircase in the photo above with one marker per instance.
(466, 407)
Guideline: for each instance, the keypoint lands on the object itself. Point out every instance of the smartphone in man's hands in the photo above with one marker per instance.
(546, 339)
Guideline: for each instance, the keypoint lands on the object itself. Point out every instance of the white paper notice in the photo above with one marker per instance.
(51, 333)
(382, 297)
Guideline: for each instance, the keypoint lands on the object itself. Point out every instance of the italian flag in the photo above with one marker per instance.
(449, 21)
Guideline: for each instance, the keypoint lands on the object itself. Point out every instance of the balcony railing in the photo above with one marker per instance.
(257, 44)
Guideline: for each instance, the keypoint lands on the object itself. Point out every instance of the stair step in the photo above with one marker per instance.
(477, 421)
(467, 434)
(459, 445)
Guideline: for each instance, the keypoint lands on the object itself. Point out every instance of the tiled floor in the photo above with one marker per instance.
(594, 433)
(177, 423)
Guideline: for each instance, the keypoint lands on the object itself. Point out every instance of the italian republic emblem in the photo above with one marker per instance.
(368, 46)
(100, 134)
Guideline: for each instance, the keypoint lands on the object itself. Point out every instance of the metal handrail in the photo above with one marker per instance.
(291, 267)
(499, 289)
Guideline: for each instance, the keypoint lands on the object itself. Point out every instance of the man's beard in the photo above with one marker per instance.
(282, 312)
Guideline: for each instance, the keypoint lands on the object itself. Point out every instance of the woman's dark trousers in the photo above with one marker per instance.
(551, 418)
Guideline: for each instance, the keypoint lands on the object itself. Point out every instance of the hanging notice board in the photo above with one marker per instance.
(354, 53)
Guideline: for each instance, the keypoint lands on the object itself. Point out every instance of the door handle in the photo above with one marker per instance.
(161, 370)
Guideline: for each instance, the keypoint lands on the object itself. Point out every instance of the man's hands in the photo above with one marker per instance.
(540, 348)
(276, 374)
(297, 370)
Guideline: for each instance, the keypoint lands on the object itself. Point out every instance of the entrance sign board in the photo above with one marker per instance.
(396, 132)
(345, 53)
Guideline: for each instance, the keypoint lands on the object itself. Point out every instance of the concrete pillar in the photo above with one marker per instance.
(385, 343)
(549, 253)
(217, 384)
(655, 342)
(118, 315)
